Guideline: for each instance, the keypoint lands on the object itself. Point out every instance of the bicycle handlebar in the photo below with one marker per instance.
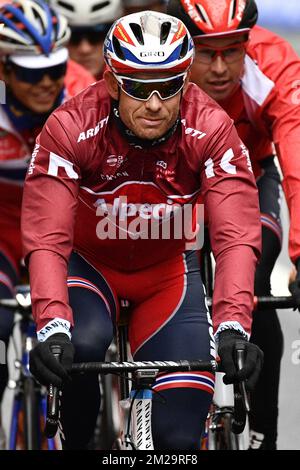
(260, 303)
(117, 367)
(268, 301)
(265, 302)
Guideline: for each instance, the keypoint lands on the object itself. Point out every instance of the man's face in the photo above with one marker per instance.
(85, 47)
(218, 74)
(149, 119)
(39, 97)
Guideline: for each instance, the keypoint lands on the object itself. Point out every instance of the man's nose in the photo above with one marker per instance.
(46, 81)
(218, 66)
(154, 103)
(84, 47)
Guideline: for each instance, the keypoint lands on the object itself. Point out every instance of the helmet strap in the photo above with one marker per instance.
(132, 139)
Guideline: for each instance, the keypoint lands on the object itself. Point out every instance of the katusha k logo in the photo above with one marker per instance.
(127, 220)
(115, 160)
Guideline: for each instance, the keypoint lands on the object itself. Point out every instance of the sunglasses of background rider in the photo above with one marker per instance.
(94, 35)
(34, 76)
(232, 53)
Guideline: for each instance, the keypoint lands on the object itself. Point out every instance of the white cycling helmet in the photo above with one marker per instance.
(88, 12)
(31, 27)
(148, 41)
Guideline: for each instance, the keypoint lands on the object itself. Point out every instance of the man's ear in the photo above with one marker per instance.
(111, 84)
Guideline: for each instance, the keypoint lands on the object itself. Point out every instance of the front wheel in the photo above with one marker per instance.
(109, 425)
(31, 415)
(220, 435)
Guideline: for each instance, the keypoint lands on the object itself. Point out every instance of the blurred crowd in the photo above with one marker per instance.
(90, 20)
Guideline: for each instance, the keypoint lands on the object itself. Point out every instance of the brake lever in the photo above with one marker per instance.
(241, 403)
(240, 350)
(52, 416)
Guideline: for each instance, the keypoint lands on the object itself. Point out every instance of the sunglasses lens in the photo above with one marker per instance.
(229, 54)
(92, 35)
(58, 71)
(142, 90)
(34, 76)
(233, 54)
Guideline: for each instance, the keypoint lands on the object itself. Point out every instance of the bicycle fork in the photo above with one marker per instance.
(137, 411)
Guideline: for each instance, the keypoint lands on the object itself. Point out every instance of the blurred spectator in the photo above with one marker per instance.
(131, 6)
(89, 20)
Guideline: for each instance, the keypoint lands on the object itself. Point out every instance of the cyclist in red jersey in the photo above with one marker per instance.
(141, 147)
(251, 72)
(89, 21)
(38, 77)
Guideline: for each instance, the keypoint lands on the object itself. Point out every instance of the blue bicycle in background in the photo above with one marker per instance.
(25, 408)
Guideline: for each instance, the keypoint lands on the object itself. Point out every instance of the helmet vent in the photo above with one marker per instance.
(67, 6)
(137, 31)
(199, 10)
(118, 48)
(39, 24)
(184, 48)
(99, 6)
(233, 12)
(164, 32)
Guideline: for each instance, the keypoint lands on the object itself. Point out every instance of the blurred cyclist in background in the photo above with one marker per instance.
(252, 76)
(89, 20)
(131, 6)
(34, 64)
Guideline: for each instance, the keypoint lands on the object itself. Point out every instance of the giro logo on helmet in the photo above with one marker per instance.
(152, 54)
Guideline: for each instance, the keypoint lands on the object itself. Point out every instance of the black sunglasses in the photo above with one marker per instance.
(34, 76)
(143, 89)
(93, 35)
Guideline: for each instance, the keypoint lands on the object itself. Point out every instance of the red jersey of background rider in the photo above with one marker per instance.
(15, 153)
(265, 109)
(83, 173)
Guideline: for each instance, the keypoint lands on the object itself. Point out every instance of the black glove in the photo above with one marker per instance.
(253, 359)
(45, 367)
(294, 286)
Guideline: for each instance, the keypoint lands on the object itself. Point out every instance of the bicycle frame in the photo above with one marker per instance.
(28, 396)
(224, 394)
(230, 404)
(136, 430)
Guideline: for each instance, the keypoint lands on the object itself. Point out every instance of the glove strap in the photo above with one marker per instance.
(231, 325)
(57, 325)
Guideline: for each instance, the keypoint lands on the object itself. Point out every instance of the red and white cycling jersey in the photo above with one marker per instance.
(265, 110)
(15, 153)
(82, 168)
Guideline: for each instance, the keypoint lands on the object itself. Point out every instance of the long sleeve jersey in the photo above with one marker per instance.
(84, 179)
(266, 111)
(15, 153)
